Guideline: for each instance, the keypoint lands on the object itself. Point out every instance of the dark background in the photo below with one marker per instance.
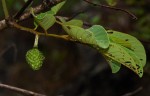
(72, 69)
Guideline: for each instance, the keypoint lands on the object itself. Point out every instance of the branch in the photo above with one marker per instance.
(114, 8)
(19, 90)
(27, 14)
(15, 25)
(26, 5)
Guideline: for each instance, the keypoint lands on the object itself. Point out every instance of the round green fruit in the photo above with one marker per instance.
(35, 58)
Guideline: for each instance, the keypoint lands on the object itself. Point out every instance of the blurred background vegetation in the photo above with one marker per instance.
(72, 69)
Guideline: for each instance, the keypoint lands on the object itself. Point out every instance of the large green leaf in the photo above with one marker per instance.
(116, 53)
(129, 42)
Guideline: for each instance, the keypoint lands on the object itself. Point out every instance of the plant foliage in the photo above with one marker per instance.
(118, 48)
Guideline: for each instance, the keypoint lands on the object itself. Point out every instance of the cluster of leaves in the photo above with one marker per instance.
(117, 47)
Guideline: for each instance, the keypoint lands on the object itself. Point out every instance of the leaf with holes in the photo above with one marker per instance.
(136, 60)
(129, 42)
(116, 53)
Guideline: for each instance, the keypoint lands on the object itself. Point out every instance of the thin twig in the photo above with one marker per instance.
(64, 37)
(26, 5)
(114, 8)
(134, 92)
(19, 90)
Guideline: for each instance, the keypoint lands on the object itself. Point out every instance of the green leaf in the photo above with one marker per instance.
(112, 2)
(76, 32)
(74, 22)
(45, 20)
(95, 19)
(119, 41)
(40, 16)
(100, 36)
(116, 53)
(57, 7)
(96, 35)
(136, 60)
(115, 66)
(80, 34)
(129, 42)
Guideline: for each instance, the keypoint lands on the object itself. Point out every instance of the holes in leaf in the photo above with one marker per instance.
(133, 68)
(111, 32)
(141, 59)
(68, 27)
(127, 62)
(138, 67)
(140, 72)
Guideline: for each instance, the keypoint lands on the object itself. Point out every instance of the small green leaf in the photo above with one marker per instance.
(57, 7)
(115, 66)
(45, 20)
(100, 36)
(35, 58)
(95, 19)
